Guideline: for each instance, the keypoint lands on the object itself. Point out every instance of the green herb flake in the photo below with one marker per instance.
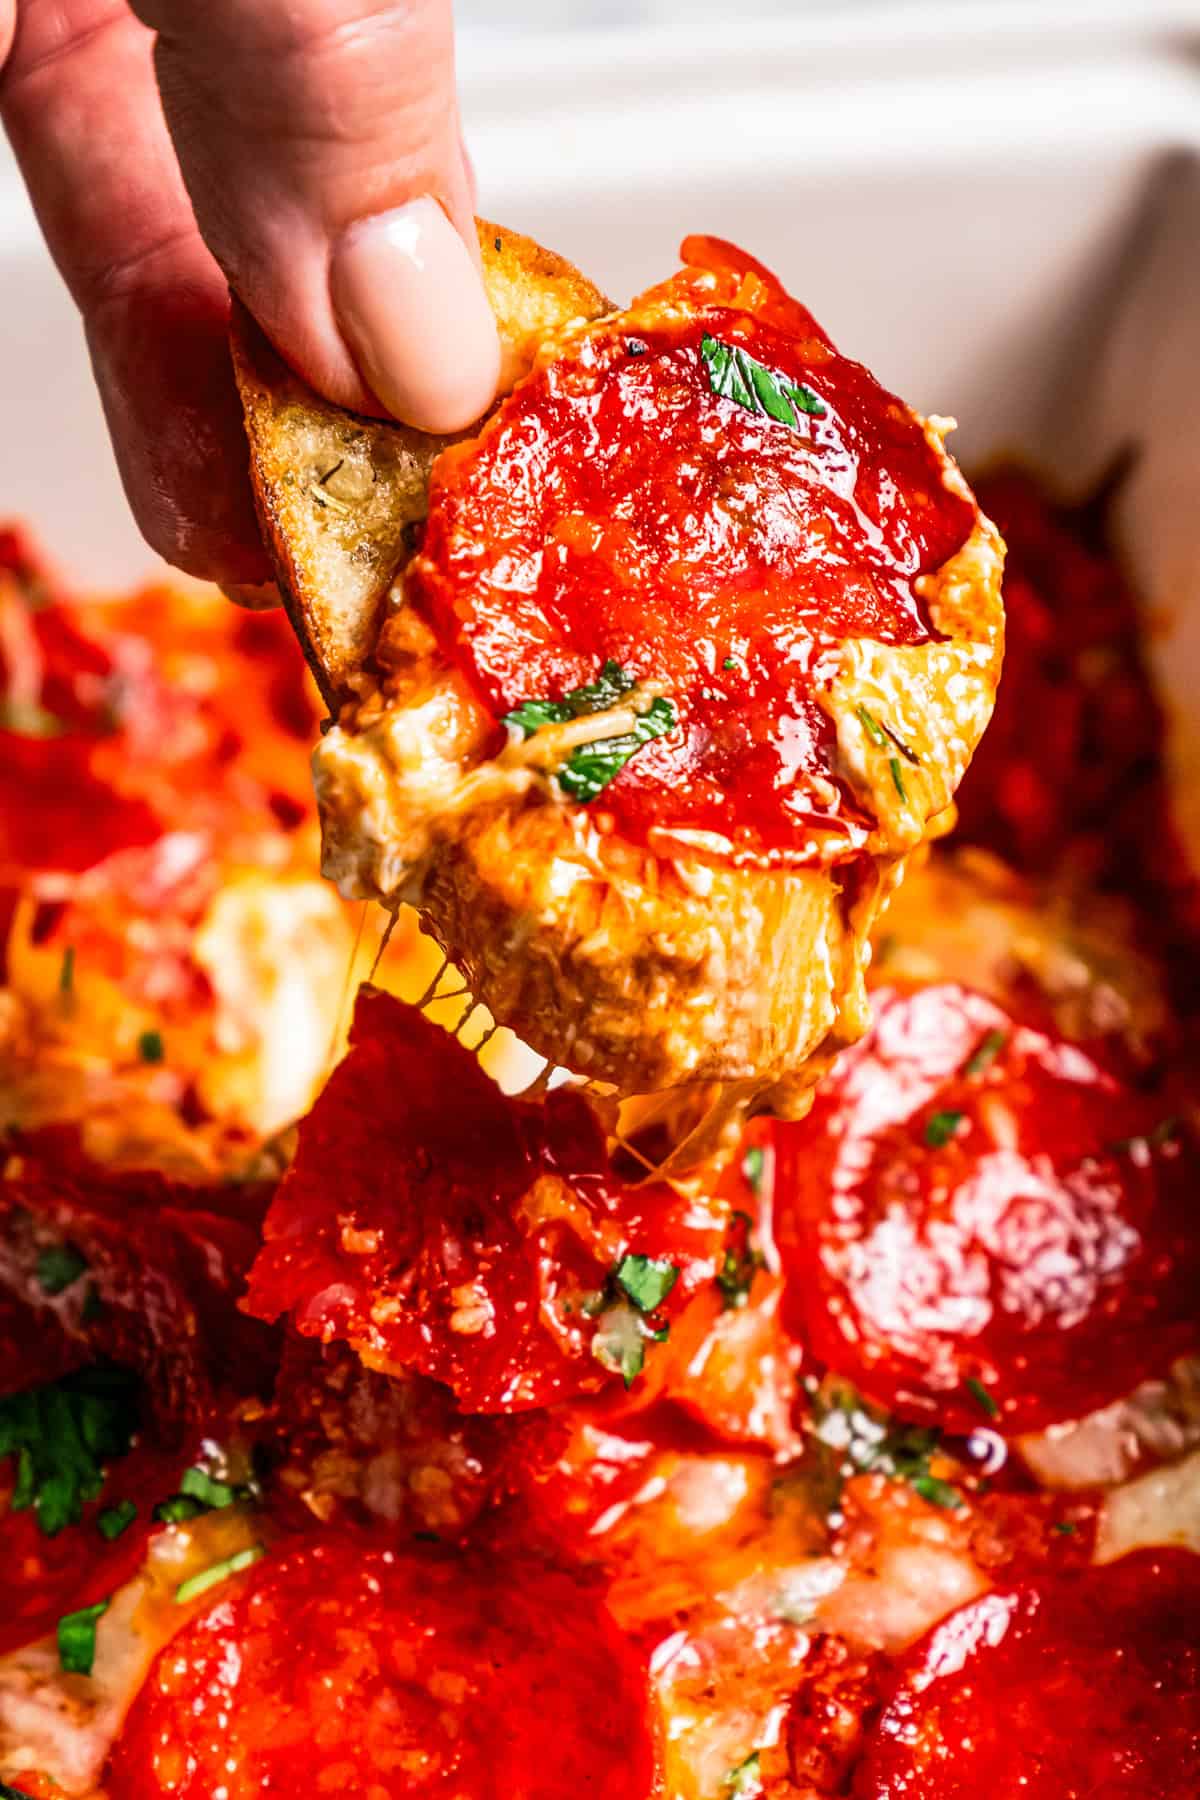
(733, 374)
(609, 687)
(937, 1492)
(62, 1436)
(77, 1638)
(740, 1264)
(1064, 1528)
(8, 1792)
(940, 1127)
(66, 974)
(116, 1519)
(872, 727)
(590, 767)
(178, 1510)
(150, 1047)
(745, 1779)
(647, 1280)
(981, 1397)
(985, 1053)
(218, 1572)
(621, 1338)
(59, 1267)
(199, 1485)
(730, 662)
(898, 778)
(198, 1492)
(753, 1166)
(866, 1441)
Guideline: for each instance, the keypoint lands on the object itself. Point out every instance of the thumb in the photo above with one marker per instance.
(321, 147)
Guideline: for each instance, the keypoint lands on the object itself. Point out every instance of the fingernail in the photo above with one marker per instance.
(411, 305)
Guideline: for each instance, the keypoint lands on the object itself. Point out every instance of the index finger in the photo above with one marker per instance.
(79, 102)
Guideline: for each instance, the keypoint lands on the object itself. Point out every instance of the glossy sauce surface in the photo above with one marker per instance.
(1086, 1688)
(344, 1666)
(617, 508)
(978, 1220)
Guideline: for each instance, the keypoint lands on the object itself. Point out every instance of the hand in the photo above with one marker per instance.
(310, 157)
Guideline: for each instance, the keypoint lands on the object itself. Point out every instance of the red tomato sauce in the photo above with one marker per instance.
(978, 1221)
(616, 507)
(343, 1666)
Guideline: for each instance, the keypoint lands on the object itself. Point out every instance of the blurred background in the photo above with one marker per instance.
(993, 202)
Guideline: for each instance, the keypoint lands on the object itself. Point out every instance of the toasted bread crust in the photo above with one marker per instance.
(337, 492)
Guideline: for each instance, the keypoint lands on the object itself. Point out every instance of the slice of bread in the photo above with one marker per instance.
(337, 492)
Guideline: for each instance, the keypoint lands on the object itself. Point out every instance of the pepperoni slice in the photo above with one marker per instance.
(624, 506)
(131, 1269)
(436, 1225)
(345, 1667)
(1087, 1688)
(978, 1221)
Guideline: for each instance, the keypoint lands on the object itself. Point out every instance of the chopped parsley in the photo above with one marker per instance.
(217, 1572)
(745, 1779)
(940, 1127)
(589, 768)
(733, 374)
(872, 727)
(936, 1491)
(730, 662)
(981, 1397)
(610, 686)
(739, 1265)
(883, 735)
(77, 1638)
(898, 778)
(985, 1053)
(753, 1165)
(116, 1519)
(66, 974)
(647, 1280)
(62, 1435)
(150, 1047)
(8, 1792)
(178, 1509)
(622, 1334)
(1064, 1527)
(198, 1492)
(867, 1441)
(59, 1267)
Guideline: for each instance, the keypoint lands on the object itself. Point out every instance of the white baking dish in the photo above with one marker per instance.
(996, 206)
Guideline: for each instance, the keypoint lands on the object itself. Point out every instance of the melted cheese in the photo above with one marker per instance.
(66, 1725)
